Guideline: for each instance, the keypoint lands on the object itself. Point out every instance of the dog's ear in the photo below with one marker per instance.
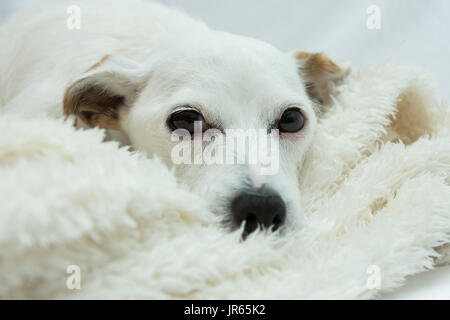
(320, 74)
(97, 96)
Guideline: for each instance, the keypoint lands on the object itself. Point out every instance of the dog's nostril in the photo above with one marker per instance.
(277, 221)
(251, 218)
(251, 223)
(263, 207)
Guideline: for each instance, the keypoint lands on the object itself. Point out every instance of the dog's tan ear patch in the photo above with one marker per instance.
(95, 107)
(98, 64)
(321, 75)
(97, 97)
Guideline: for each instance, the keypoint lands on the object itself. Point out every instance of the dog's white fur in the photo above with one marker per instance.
(160, 59)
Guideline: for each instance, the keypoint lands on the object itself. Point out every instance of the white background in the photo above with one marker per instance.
(413, 31)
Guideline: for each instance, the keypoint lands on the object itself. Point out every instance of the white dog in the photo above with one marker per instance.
(141, 71)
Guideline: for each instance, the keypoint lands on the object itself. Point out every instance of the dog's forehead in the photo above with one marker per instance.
(230, 76)
(224, 56)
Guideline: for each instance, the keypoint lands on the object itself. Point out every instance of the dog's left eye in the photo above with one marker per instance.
(185, 119)
(292, 120)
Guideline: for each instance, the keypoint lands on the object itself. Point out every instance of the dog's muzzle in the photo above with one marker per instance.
(258, 207)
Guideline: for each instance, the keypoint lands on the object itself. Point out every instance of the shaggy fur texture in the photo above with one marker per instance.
(375, 186)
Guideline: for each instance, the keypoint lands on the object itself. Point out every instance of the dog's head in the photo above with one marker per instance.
(191, 96)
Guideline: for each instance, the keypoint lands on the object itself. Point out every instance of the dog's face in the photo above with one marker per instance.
(196, 90)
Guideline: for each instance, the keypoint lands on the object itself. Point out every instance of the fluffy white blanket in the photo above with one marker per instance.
(375, 189)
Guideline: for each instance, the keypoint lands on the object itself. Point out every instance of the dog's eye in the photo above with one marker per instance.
(184, 119)
(292, 120)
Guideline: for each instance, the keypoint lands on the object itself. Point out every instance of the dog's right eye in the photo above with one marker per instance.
(185, 119)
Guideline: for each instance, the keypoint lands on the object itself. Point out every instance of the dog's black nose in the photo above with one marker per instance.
(263, 207)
